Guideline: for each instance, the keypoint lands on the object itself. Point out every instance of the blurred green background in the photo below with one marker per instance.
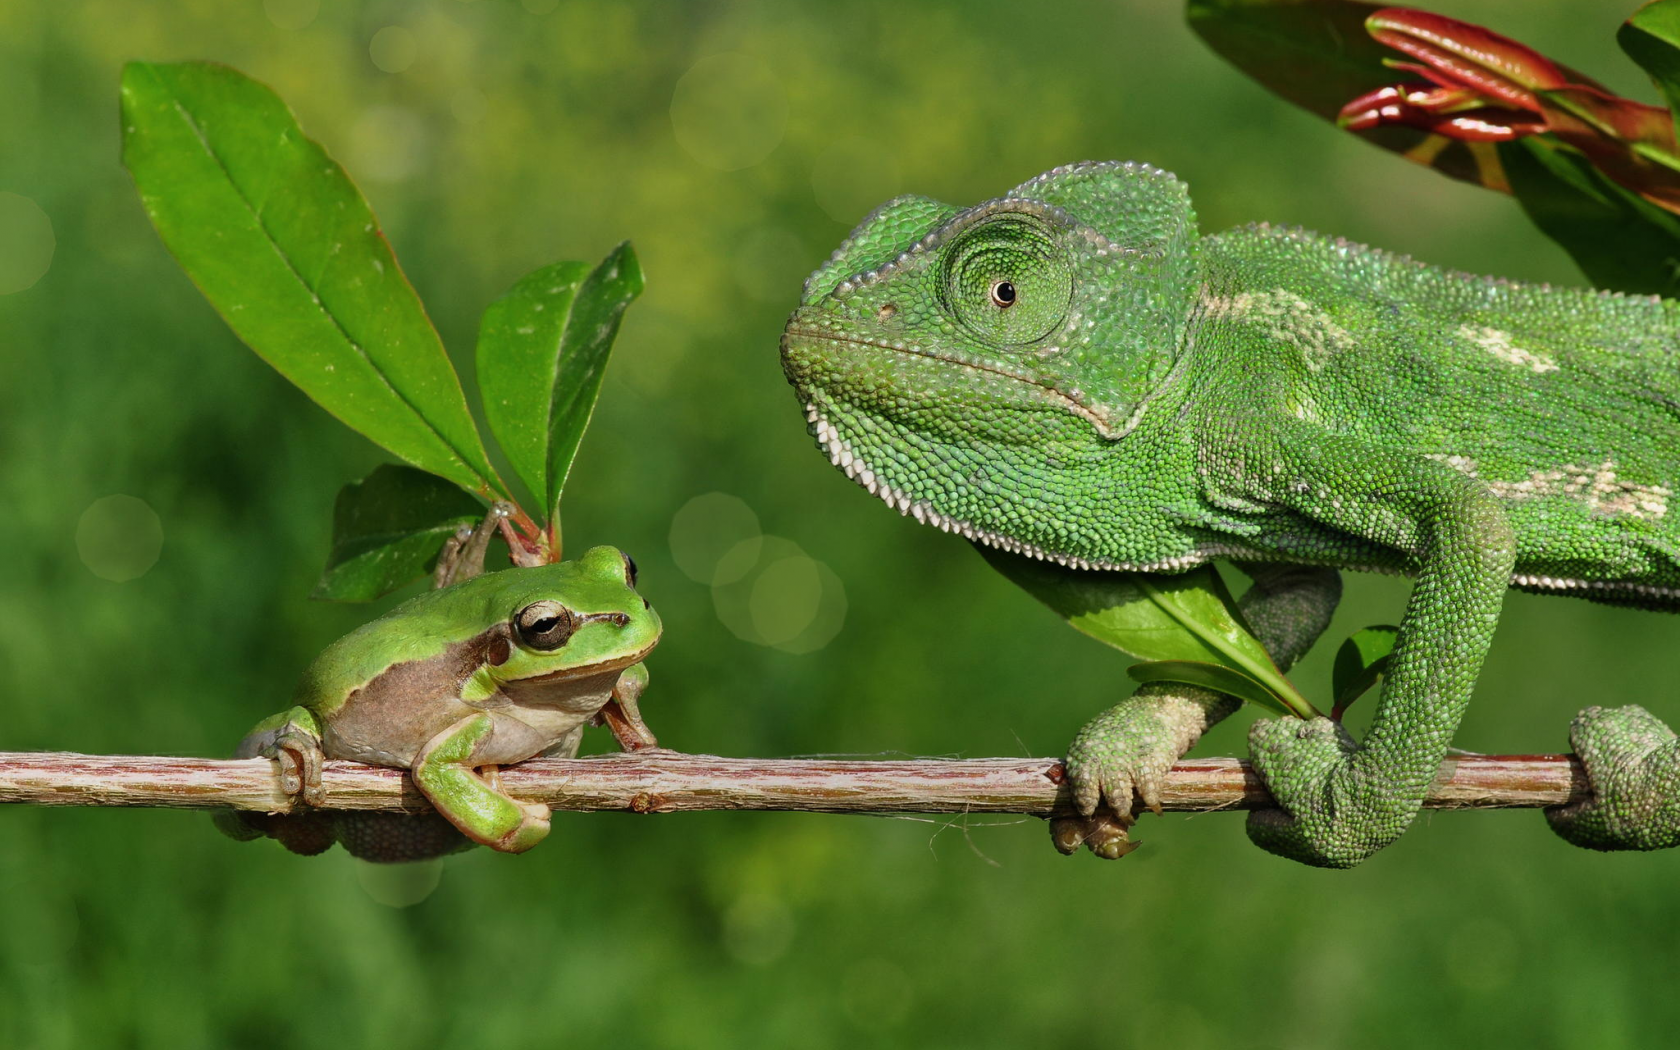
(735, 143)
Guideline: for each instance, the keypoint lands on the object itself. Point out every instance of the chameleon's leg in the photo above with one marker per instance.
(293, 739)
(462, 556)
(1633, 764)
(445, 770)
(1128, 749)
(1341, 802)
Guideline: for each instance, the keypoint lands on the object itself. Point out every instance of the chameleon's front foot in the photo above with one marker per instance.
(1124, 754)
(1633, 764)
(1333, 813)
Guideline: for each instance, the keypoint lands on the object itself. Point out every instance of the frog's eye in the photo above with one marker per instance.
(1007, 279)
(544, 626)
(629, 568)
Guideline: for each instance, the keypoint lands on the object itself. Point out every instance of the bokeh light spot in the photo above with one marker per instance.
(707, 529)
(393, 49)
(784, 599)
(729, 111)
(119, 538)
(852, 176)
(26, 243)
(757, 929)
(387, 144)
(876, 994)
(779, 597)
(291, 14)
(399, 885)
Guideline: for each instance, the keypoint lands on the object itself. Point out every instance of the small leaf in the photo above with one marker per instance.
(519, 346)
(1360, 662)
(1187, 617)
(279, 240)
(1219, 678)
(388, 529)
(542, 353)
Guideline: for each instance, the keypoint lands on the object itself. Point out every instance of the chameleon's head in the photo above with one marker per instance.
(960, 363)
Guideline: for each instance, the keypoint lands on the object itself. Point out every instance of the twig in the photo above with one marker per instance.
(658, 781)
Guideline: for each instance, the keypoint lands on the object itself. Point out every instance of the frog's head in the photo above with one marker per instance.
(942, 352)
(563, 622)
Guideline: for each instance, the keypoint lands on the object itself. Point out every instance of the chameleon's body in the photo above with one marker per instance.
(1072, 373)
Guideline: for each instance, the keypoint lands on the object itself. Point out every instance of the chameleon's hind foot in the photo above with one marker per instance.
(1633, 764)
(1332, 812)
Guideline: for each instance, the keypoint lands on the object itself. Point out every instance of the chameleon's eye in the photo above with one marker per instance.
(1007, 280)
(544, 626)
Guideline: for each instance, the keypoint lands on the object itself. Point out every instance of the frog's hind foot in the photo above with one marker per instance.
(1633, 764)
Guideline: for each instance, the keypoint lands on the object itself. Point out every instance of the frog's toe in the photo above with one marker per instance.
(1632, 761)
(300, 760)
(1328, 815)
(532, 828)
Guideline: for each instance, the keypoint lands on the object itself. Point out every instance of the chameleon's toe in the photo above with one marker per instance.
(1123, 753)
(1633, 764)
(1104, 835)
(1328, 815)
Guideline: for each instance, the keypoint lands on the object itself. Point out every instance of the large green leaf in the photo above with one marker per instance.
(1217, 677)
(1189, 617)
(1651, 37)
(1617, 238)
(542, 353)
(388, 529)
(279, 240)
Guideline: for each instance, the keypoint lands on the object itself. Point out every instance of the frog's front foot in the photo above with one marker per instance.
(447, 773)
(1333, 812)
(1633, 764)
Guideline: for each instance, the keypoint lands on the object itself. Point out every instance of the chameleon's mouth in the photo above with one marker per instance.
(1070, 403)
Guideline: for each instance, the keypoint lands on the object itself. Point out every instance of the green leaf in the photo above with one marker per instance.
(1652, 38)
(1618, 239)
(1187, 617)
(279, 240)
(388, 529)
(1360, 662)
(1217, 677)
(542, 353)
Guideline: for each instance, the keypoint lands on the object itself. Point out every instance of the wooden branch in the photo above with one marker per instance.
(658, 781)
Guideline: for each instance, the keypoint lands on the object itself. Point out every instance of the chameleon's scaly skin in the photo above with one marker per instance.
(1072, 372)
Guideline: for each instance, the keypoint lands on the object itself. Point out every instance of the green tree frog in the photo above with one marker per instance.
(451, 685)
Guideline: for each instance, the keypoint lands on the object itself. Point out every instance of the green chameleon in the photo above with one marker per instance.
(1071, 373)
(481, 673)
